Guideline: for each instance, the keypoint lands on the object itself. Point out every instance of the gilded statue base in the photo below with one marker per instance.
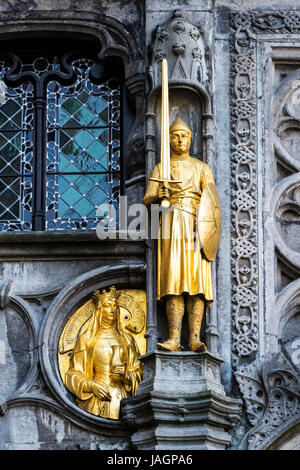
(181, 404)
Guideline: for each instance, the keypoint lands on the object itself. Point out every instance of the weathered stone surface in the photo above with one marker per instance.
(181, 404)
(246, 126)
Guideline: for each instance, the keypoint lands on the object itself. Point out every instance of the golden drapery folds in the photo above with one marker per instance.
(104, 365)
(181, 265)
(189, 228)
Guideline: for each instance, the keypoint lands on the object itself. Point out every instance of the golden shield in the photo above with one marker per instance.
(132, 303)
(209, 221)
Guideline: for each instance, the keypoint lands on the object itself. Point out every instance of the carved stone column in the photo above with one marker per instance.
(181, 404)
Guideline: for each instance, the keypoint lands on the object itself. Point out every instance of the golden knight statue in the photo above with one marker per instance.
(184, 255)
(104, 365)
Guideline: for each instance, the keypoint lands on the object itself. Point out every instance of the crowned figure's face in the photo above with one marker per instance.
(109, 308)
(180, 140)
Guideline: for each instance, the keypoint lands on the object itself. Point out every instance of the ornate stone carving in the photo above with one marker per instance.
(181, 43)
(271, 389)
(244, 190)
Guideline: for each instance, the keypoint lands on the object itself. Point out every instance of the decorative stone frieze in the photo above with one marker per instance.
(244, 190)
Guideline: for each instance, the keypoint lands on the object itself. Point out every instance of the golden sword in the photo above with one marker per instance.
(165, 136)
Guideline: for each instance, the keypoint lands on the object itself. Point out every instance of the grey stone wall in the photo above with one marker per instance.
(248, 121)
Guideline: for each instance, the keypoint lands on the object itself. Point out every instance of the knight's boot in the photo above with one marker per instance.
(175, 312)
(195, 309)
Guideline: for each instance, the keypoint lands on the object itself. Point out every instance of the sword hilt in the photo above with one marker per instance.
(165, 201)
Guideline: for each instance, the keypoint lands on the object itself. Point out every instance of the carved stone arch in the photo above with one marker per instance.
(22, 309)
(286, 299)
(283, 199)
(110, 32)
(289, 438)
(287, 430)
(74, 294)
(286, 117)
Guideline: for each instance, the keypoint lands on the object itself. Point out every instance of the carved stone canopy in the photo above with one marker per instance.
(181, 43)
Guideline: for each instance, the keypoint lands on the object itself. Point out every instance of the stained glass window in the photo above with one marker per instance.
(16, 144)
(79, 146)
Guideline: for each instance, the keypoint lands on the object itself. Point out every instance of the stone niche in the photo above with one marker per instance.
(186, 104)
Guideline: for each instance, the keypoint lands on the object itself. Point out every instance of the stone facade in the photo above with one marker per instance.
(234, 75)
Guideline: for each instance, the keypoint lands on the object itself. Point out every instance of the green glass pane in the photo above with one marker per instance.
(71, 123)
(18, 119)
(7, 170)
(97, 149)
(99, 167)
(84, 161)
(84, 138)
(9, 152)
(93, 214)
(14, 209)
(3, 119)
(83, 97)
(84, 184)
(97, 122)
(98, 194)
(83, 207)
(84, 116)
(62, 208)
(16, 140)
(9, 125)
(71, 196)
(97, 132)
(3, 140)
(10, 108)
(104, 116)
(65, 181)
(63, 162)
(70, 132)
(63, 139)
(71, 105)
(71, 149)
(103, 137)
(63, 116)
(16, 186)
(96, 104)
(70, 214)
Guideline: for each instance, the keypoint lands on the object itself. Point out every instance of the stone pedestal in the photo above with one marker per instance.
(181, 404)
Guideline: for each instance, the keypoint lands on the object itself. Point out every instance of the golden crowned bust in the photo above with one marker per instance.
(104, 365)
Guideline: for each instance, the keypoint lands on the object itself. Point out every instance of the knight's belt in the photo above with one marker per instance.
(185, 201)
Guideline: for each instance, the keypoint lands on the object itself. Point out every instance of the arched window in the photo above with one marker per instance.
(60, 135)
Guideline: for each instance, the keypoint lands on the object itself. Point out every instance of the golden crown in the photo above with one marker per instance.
(100, 297)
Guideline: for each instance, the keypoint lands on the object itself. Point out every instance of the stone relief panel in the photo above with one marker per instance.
(271, 390)
(15, 351)
(288, 216)
(265, 198)
(181, 43)
(244, 191)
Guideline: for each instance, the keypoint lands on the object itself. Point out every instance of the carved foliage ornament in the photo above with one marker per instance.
(244, 27)
(271, 389)
(244, 190)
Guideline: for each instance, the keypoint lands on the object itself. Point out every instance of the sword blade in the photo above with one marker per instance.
(165, 139)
